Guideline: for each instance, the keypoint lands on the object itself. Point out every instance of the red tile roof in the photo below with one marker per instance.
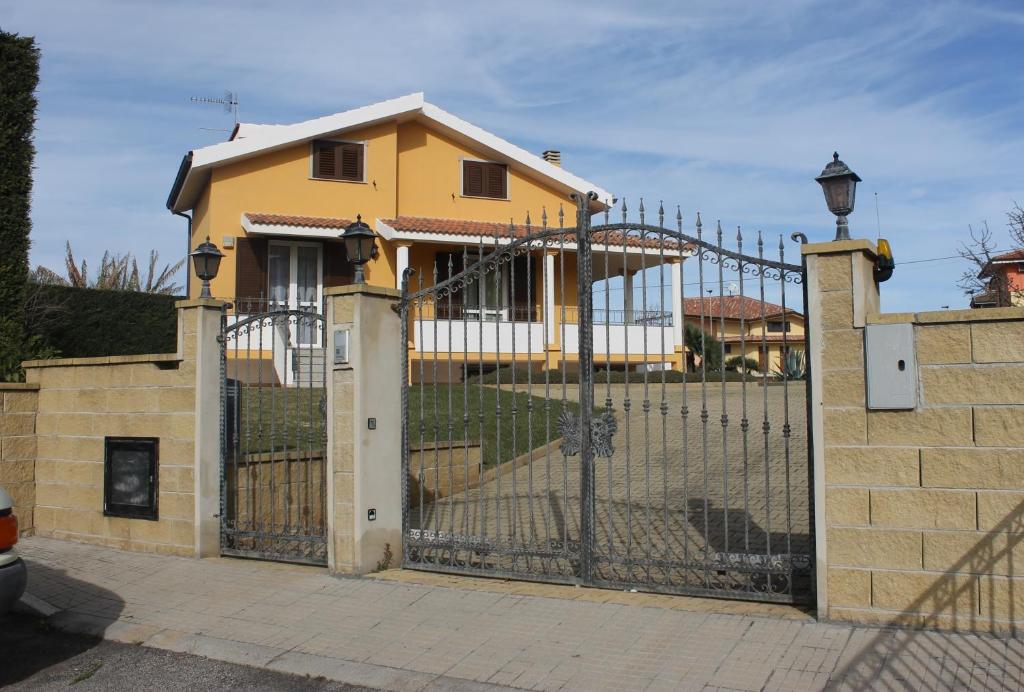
(1010, 256)
(490, 229)
(733, 307)
(423, 224)
(302, 221)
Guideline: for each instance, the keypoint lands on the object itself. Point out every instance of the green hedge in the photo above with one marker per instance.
(19, 65)
(86, 322)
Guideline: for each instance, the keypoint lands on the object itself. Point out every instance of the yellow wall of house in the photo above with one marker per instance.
(280, 182)
(410, 170)
(430, 183)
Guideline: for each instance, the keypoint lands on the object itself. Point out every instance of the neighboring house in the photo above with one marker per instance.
(276, 198)
(1005, 277)
(739, 322)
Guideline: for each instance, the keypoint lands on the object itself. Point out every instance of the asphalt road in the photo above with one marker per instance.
(33, 656)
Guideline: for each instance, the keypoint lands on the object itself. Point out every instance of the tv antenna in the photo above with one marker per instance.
(230, 102)
(733, 288)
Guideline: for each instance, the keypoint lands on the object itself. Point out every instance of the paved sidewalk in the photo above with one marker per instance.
(394, 633)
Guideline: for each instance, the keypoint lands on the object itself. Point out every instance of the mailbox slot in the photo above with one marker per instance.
(891, 366)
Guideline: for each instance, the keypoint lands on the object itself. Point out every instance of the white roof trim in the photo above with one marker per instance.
(251, 140)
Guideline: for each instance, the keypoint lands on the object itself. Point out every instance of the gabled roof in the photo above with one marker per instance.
(253, 140)
(733, 308)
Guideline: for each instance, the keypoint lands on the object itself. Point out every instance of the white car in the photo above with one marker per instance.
(13, 573)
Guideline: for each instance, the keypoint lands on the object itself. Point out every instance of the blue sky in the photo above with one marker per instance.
(729, 108)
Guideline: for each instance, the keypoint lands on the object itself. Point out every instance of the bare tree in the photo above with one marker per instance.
(983, 278)
(117, 273)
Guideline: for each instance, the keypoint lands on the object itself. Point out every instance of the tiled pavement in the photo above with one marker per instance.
(446, 633)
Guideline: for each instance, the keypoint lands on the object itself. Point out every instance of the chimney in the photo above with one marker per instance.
(553, 156)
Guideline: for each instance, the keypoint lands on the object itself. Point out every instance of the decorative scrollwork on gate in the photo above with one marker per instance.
(602, 429)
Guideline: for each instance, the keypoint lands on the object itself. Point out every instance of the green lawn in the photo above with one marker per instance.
(530, 430)
(275, 419)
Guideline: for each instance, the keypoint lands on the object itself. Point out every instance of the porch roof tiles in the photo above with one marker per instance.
(456, 227)
(298, 221)
(490, 229)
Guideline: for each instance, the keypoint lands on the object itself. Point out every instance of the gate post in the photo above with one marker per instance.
(364, 498)
(841, 292)
(199, 328)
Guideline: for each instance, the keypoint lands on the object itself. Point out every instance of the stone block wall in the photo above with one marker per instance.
(18, 449)
(80, 401)
(920, 512)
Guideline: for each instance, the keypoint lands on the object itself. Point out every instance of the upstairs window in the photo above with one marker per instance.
(778, 327)
(484, 179)
(338, 160)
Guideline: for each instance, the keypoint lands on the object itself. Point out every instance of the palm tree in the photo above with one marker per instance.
(117, 273)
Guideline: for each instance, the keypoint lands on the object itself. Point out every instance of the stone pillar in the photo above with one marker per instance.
(199, 325)
(841, 292)
(364, 409)
(401, 262)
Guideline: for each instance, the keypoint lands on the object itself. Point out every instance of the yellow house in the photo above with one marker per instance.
(435, 189)
(760, 331)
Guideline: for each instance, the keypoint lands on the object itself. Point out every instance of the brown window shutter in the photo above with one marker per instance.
(250, 268)
(473, 178)
(337, 268)
(495, 181)
(326, 163)
(351, 161)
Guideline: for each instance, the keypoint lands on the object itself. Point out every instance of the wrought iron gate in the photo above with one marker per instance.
(553, 432)
(273, 434)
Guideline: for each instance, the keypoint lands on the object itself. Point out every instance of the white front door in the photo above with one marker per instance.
(295, 277)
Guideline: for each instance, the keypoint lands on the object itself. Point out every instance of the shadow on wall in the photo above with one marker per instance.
(903, 658)
(31, 643)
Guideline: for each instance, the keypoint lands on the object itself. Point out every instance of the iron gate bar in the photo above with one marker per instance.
(253, 456)
(516, 550)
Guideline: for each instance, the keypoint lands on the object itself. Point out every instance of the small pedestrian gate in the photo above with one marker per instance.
(273, 434)
(554, 431)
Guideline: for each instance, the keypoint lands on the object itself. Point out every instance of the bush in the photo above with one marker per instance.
(86, 322)
(741, 363)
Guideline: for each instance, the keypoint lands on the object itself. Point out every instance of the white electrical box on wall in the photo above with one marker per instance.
(891, 366)
(341, 346)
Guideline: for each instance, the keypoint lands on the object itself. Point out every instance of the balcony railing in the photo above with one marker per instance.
(474, 313)
(640, 318)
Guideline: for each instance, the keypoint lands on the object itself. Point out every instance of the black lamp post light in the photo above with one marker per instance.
(359, 246)
(839, 184)
(206, 260)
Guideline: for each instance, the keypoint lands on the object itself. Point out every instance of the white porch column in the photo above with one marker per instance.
(549, 297)
(401, 262)
(627, 295)
(677, 301)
